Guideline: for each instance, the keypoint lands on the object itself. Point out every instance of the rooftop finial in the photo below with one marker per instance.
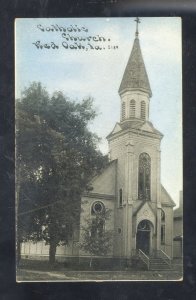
(137, 20)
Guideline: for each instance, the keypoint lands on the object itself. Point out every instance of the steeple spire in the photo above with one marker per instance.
(135, 76)
(137, 20)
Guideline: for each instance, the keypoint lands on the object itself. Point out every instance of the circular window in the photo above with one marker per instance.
(98, 207)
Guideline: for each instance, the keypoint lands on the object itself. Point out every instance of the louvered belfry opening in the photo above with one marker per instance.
(132, 109)
(123, 112)
(143, 110)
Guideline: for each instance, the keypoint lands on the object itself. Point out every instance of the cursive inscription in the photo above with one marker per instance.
(72, 37)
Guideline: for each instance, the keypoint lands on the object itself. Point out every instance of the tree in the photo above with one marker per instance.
(56, 155)
(96, 240)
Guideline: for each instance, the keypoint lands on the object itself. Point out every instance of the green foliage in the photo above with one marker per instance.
(96, 240)
(56, 156)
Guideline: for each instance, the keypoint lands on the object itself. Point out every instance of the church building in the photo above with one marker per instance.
(141, 209)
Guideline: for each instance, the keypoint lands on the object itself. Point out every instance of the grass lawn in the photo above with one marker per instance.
(41, 271)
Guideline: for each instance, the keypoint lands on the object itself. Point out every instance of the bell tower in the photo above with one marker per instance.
(135, 144)
(141, 209)
(135, 91)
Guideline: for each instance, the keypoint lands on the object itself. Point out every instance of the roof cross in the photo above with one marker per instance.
(137, 20)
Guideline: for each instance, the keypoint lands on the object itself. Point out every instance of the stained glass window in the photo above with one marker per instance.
(97, 207)
(144, 177)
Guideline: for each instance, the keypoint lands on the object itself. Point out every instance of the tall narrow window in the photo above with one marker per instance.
(144, 177)
(132, 109)
(162, 216)
(120, 198)
(123, 110)
(143, 110)
(162, 227)
(162, 234)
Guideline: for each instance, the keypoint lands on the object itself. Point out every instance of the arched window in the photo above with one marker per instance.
(120, 198)
(144, 177)
(123, 111)
(132, 109)
(144, 225)
(143, 110)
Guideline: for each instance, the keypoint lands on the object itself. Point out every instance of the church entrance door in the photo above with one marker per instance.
(143, 236)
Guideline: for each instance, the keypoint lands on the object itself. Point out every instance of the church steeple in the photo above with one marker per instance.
(135, 91)
(135, 76)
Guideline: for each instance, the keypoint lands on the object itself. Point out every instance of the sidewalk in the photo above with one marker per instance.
(32, 275)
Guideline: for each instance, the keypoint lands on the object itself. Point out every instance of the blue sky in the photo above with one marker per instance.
(98, 73)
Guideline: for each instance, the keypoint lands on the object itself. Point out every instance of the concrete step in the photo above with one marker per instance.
(159, 267)
(158, 264)
(157, 260)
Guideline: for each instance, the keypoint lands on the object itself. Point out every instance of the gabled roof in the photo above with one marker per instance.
(143, 126)
(104, 184)
(117, 128)
(135, 75)
(143, 204)
(145, 211)
(178, 212)
(166, 199)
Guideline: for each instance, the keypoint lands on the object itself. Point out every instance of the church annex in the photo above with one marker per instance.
(141, 209)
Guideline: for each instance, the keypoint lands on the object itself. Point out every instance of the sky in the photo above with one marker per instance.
(81, 73)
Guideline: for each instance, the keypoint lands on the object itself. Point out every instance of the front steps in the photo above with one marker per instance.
(158, 261)
(158, 264)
